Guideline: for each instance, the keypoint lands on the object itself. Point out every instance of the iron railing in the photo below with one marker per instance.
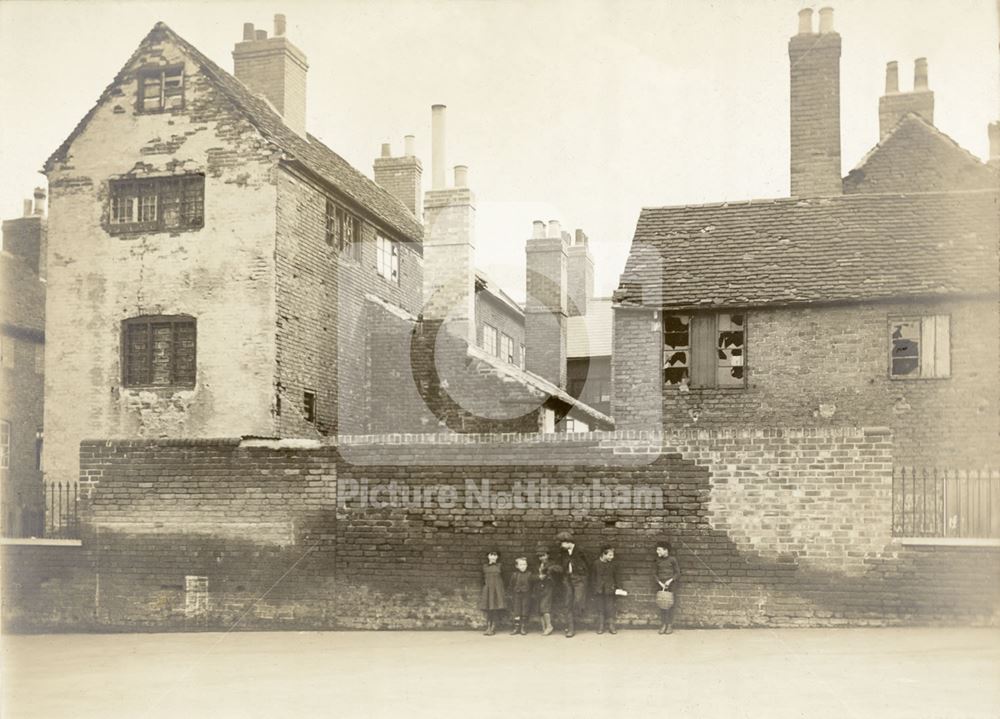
(932, 502)
(61, 504)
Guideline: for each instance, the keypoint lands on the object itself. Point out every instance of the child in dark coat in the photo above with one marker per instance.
(606, 581)
(545, 586)
(666, 572)
(492, 600)
(520, 596)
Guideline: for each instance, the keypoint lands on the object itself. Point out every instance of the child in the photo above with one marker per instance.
(575, 568)
(606, 582)
(666, 572)
(520, 596)
(492, 601)
(544, 587)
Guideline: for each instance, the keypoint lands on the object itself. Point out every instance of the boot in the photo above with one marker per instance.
(546, 624)
(514, 626)
(571, 627)
(524, 628)
(670, 629)
(663, 628)
(611, 628)
(600, 625)
(491, 629)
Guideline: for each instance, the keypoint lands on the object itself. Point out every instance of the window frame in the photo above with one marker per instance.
(921, 319)
(161, 72)
(178, 190)
(494, 351)
(393, 255)
(310, 406)
(509, 357)
(694, 348)
(149, 321)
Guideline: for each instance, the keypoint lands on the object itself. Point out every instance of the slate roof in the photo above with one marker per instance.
(795, 250)
(22, 296)
(917, 157)
(312, 154)
(590, 335)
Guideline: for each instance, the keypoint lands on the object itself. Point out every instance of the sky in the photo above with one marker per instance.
(583, 111)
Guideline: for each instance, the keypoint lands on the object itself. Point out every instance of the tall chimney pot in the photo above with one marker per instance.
(27, 208)
(554, 229)
(409, 144)
(891, 78)
(805, 21)
(920, 74)
(825, 20)
(260, 34)
(538, 230)
(386, 149)
(247, 31)
(437, 147)
(461, 176)
(279, 24)
(39, 200)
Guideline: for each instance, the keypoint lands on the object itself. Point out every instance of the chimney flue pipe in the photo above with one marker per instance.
(248, 31)
(409, 145)
(805, 21)
(891, 78)
(825, 20)
(920, 74)
(437, 147)
(279, 24)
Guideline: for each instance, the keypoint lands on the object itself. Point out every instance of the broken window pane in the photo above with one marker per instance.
(905, 349)
(157, 203)
(676, 349)
(161, 89)
(730, 368)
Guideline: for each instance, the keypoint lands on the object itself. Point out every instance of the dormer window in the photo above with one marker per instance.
(161, 89)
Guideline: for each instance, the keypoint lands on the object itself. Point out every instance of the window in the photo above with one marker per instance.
(161, 88)
(920, 347)
(506, 348)
(39, 359)
(154, 204)
(309, 405)
(490, 339)
(4, 444)
(159, 352)
(343, 231)
(387, 258)
(521, 356)
(704, 350)
(571, 426)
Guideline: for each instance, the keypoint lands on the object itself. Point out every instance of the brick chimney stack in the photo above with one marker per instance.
(449, 242)
(401, 176)
(545, 306)
(25, 236)
(275, 68)
(814, 59)
(579, 275)
(895, 105)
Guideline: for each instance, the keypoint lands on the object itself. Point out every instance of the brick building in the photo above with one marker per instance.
(22, 359)
(865, 300)
(216, 269)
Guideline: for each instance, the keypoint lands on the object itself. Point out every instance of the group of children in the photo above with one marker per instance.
(532, 591)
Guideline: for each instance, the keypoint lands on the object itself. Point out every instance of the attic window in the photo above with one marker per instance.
(920, 347)
(704, 350)
(343, 231)
(156, 204)
(161, 89)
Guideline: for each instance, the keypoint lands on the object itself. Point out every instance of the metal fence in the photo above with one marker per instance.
(61, 503)
(932, 502)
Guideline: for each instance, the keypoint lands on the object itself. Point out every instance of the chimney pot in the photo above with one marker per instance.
(260, 34)
(538, 230)
(248, 31)
(409, 143)
(39, 200)
(27, 208)
(825, 20)
(279, 24)
(581, 237)
(437, 147)
(386, 149)
(920, 74)
(994, 132)
(891, 78)
(805, 21)
(554, 229)
(461, 176)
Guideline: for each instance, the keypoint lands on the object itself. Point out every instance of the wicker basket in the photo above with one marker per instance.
(664, 599)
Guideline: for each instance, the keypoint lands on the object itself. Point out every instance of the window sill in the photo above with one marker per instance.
(134, 231)
(160, 388)
(947, 541)
(40, 542)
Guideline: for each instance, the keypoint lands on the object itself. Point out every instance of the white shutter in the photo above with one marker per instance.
(927, 343)
(942, 346)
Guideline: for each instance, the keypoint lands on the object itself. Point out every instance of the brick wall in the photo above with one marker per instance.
(221, 274)
(828, 366)
(747, 511)
(815, 114)
(636, 369)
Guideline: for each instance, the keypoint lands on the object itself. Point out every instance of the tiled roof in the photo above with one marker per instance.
(313, 154)
(22, 295)
(847, 247)
(917, 157)
(485, 282)
(589, 335)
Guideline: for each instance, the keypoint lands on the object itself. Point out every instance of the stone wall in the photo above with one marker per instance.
(777, 527)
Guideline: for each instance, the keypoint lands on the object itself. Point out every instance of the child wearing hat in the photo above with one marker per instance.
(520, 596)
(575, 570)
(545, 586)
(492, 600)
(666, 572)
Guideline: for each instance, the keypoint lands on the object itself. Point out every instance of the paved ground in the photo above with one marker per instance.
(924, 673)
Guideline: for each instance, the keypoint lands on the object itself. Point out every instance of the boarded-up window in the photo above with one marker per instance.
(159, 352)
(704, 350)
(155, 204)
(161, 88)
(920, 347)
